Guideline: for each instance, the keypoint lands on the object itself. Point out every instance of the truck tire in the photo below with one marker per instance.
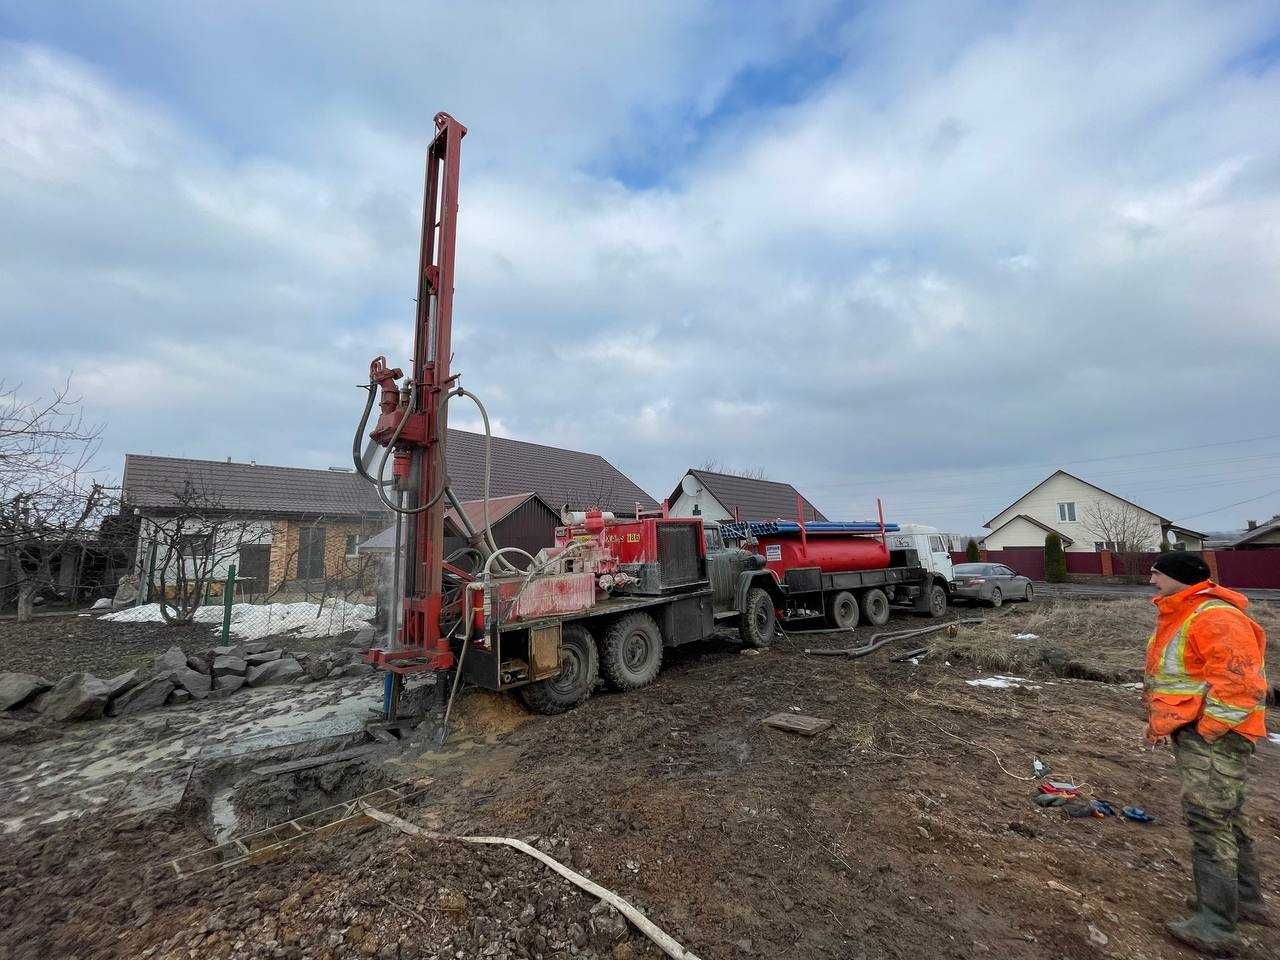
(631, 652)
(937, 600)
(758, 621)
(579, 670)
(842, 610)
(875, 607)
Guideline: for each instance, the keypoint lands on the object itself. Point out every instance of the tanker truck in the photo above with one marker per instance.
(841, 571)
(612, 594)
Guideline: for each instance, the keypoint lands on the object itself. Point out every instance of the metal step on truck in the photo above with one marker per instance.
(613, 594)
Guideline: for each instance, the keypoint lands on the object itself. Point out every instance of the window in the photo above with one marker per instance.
(1067, 512)
(351, 544)
(935, 544)
(195, 546)
(311, 553)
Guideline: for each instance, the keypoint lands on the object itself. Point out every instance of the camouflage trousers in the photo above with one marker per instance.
(1213, 787)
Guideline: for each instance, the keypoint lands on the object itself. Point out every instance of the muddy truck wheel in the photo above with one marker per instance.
(631, 652)
(875, 607)
(842, 610)
(758, 621)
(937, 601)
(579, 669)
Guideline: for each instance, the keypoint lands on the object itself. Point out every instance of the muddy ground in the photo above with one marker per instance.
(896, 833)
(53, 646)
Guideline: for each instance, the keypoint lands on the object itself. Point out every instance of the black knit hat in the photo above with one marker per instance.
(1182, 566)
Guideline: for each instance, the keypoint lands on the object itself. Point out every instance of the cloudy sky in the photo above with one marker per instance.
(927, 252)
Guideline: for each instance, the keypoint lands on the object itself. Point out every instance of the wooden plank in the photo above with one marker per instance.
(274, 769)
(797, 723)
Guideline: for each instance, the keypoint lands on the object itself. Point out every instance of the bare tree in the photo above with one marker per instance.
(195, 540)
(1123, 528)
(714, 465)
(50, 499)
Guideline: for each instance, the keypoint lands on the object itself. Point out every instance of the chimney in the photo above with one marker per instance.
(1253, 524)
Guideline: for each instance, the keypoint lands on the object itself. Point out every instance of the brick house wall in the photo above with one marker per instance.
(286, 540)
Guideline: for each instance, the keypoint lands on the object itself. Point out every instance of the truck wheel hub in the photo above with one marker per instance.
(635, 652)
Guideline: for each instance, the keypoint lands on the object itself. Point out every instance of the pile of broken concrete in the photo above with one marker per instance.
(174, 677)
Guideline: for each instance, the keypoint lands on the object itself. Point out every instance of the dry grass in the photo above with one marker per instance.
(1092, 639)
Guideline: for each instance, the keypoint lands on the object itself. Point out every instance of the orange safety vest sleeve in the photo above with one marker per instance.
(1226, 641)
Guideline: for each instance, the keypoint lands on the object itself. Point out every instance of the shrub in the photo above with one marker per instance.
(1055, 561)
(971, 551)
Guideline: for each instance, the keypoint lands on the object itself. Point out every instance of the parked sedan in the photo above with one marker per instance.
(992, 583)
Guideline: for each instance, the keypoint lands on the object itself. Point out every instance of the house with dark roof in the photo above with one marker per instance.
(560, 477)
(525, 520)
(278, 525)
(1086, 517)
(726, 496)
(1256, 536)
(304, 524)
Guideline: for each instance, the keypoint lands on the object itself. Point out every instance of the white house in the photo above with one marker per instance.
(723, 496)
(1086, 517)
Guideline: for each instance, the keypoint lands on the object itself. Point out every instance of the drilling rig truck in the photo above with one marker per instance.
(612, 593)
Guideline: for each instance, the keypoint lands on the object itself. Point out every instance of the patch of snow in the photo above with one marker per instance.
(253, 621)
(914, 661)
(1026, 636)
(1132, 686)
(1274, 737)
(1004, 683)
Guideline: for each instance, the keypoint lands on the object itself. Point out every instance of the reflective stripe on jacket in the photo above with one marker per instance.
(1205, 664)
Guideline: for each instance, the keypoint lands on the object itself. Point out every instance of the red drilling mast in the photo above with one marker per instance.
(412, 425)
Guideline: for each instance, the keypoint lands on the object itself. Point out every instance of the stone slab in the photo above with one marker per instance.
(18, 688)
(797, 723)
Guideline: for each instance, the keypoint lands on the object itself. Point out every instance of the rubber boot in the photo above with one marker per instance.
(1212, 928)
(1252, 907)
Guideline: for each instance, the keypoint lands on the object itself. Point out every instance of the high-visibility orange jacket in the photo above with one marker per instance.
(1205, 664)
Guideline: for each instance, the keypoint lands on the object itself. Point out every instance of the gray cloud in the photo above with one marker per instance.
(981, 243)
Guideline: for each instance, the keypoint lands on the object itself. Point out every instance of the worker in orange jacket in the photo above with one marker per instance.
(1206, 693)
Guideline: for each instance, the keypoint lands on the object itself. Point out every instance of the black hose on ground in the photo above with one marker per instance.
(878, 640)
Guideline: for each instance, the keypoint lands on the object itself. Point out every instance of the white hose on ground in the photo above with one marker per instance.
(642, 923)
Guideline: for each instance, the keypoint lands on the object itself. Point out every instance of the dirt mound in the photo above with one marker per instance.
(483, 714)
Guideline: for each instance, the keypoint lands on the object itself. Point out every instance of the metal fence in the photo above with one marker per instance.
(1243, 569)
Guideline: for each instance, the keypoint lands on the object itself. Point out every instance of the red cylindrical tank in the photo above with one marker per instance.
(837, 553)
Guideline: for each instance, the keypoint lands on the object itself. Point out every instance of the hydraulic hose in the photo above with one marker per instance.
(356, 456)
(443, 462)
(501, 551)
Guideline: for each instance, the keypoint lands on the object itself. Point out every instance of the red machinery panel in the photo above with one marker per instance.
(630, 541)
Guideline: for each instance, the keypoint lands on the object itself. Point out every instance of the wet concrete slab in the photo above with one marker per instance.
(144, 762)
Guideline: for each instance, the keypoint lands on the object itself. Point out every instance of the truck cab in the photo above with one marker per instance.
(930, 546)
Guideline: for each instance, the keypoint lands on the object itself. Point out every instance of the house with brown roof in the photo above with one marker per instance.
(295, 524)
(726, 496)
